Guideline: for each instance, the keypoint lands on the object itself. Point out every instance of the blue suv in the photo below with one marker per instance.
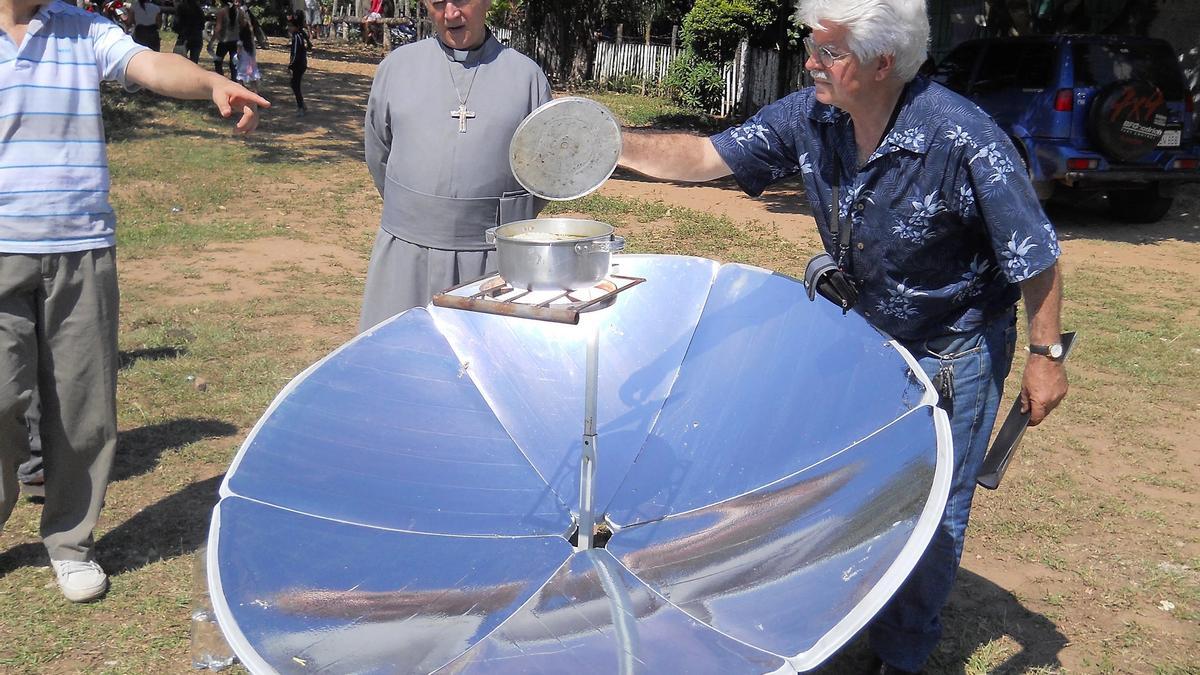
(1089, 112)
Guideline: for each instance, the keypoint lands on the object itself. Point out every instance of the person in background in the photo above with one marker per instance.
(312, 17)
(189, 25)
(247, 66)
(923, 206)
(260, 37)
(58, 276)
(372, 22)
(298, 62)
(117, 11)
(147, 19)
(225, 33)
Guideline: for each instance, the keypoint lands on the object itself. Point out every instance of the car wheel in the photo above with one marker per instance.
(1127, 119)
(1142, 205)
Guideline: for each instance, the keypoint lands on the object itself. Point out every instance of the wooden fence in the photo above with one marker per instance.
(757, 77)
(635, 60)
(533, 46)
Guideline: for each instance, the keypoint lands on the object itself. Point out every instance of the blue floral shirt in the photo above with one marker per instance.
(943, 217)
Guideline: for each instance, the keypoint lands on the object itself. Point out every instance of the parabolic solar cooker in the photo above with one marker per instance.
(681, 467)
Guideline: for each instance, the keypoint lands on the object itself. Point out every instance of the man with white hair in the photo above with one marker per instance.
(440, 118)
(933, 229)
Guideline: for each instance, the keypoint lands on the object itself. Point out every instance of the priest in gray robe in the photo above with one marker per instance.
(440, 118)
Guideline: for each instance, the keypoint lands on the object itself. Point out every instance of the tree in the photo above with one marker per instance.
(503, 12)
(713, 29)
(569, 28)
(773, 25)
(711, 33)
(662, 15)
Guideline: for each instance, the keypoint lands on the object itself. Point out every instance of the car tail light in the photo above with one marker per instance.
(1082, 164)
(1185, 164)
(1064, 100)
(1189, 104)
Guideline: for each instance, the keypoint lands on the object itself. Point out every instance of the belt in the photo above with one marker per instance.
(451, 223)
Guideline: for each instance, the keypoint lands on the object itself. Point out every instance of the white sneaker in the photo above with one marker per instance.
(80, 581)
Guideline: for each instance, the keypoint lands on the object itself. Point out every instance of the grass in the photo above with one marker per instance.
(652, 111)
(683, 231)
(1095, 520)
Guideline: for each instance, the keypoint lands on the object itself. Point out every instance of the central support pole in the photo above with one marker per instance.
(587, 464)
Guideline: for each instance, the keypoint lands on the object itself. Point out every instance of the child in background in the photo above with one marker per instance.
(298, 61)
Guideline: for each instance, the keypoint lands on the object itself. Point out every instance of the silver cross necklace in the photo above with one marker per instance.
(462, 114)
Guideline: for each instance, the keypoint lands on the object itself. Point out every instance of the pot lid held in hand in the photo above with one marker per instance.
(565, 149)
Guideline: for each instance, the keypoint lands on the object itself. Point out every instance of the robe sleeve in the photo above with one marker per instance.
(542, 90)
(377, 128)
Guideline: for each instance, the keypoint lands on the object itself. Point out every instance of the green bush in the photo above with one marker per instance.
(695, 82)
(714, 27)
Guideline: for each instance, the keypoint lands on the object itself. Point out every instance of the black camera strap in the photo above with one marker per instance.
(843, 235)
(840, 234)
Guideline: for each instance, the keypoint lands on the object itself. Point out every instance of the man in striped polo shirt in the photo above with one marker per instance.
(58, 279)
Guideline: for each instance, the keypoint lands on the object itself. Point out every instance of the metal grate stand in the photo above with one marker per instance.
(491, 295)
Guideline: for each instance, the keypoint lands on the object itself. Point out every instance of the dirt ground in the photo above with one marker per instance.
(1040, 591)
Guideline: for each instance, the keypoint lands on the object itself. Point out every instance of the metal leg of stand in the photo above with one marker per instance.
(587, 464)
(623, 612)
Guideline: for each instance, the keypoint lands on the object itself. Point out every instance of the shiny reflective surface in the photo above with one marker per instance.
(390, 432)
(768, 387)
(781, 566)
(305, 594)
(772, 469)
(531, 372)
(596, 617)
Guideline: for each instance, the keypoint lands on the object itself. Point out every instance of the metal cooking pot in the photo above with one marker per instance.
(554, 254)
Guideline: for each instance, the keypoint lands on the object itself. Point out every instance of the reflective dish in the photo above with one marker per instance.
(770, 471)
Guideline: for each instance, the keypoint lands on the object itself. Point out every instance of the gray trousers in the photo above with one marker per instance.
(30, 472)
(58, 336)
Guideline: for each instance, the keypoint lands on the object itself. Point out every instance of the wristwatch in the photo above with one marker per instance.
(1053, 352)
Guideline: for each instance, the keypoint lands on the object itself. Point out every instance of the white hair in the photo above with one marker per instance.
(876, 28)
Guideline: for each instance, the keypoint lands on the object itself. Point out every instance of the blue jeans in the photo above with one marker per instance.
(907, 629)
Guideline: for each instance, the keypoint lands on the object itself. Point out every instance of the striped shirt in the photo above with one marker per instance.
(53, 163)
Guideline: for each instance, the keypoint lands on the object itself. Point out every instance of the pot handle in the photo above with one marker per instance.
(489, 235)
(617, 243)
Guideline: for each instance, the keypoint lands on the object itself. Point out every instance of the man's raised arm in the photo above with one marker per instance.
(173, 75)
(671, 156)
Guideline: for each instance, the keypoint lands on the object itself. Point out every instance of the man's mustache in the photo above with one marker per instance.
(819, 75)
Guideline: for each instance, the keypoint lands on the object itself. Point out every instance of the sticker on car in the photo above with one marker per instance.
(1170, 138)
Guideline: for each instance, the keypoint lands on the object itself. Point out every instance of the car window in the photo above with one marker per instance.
(1097, 65)
(955, 70)
(1019, 64)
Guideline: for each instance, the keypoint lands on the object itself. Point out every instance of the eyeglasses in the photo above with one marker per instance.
(824, 55)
